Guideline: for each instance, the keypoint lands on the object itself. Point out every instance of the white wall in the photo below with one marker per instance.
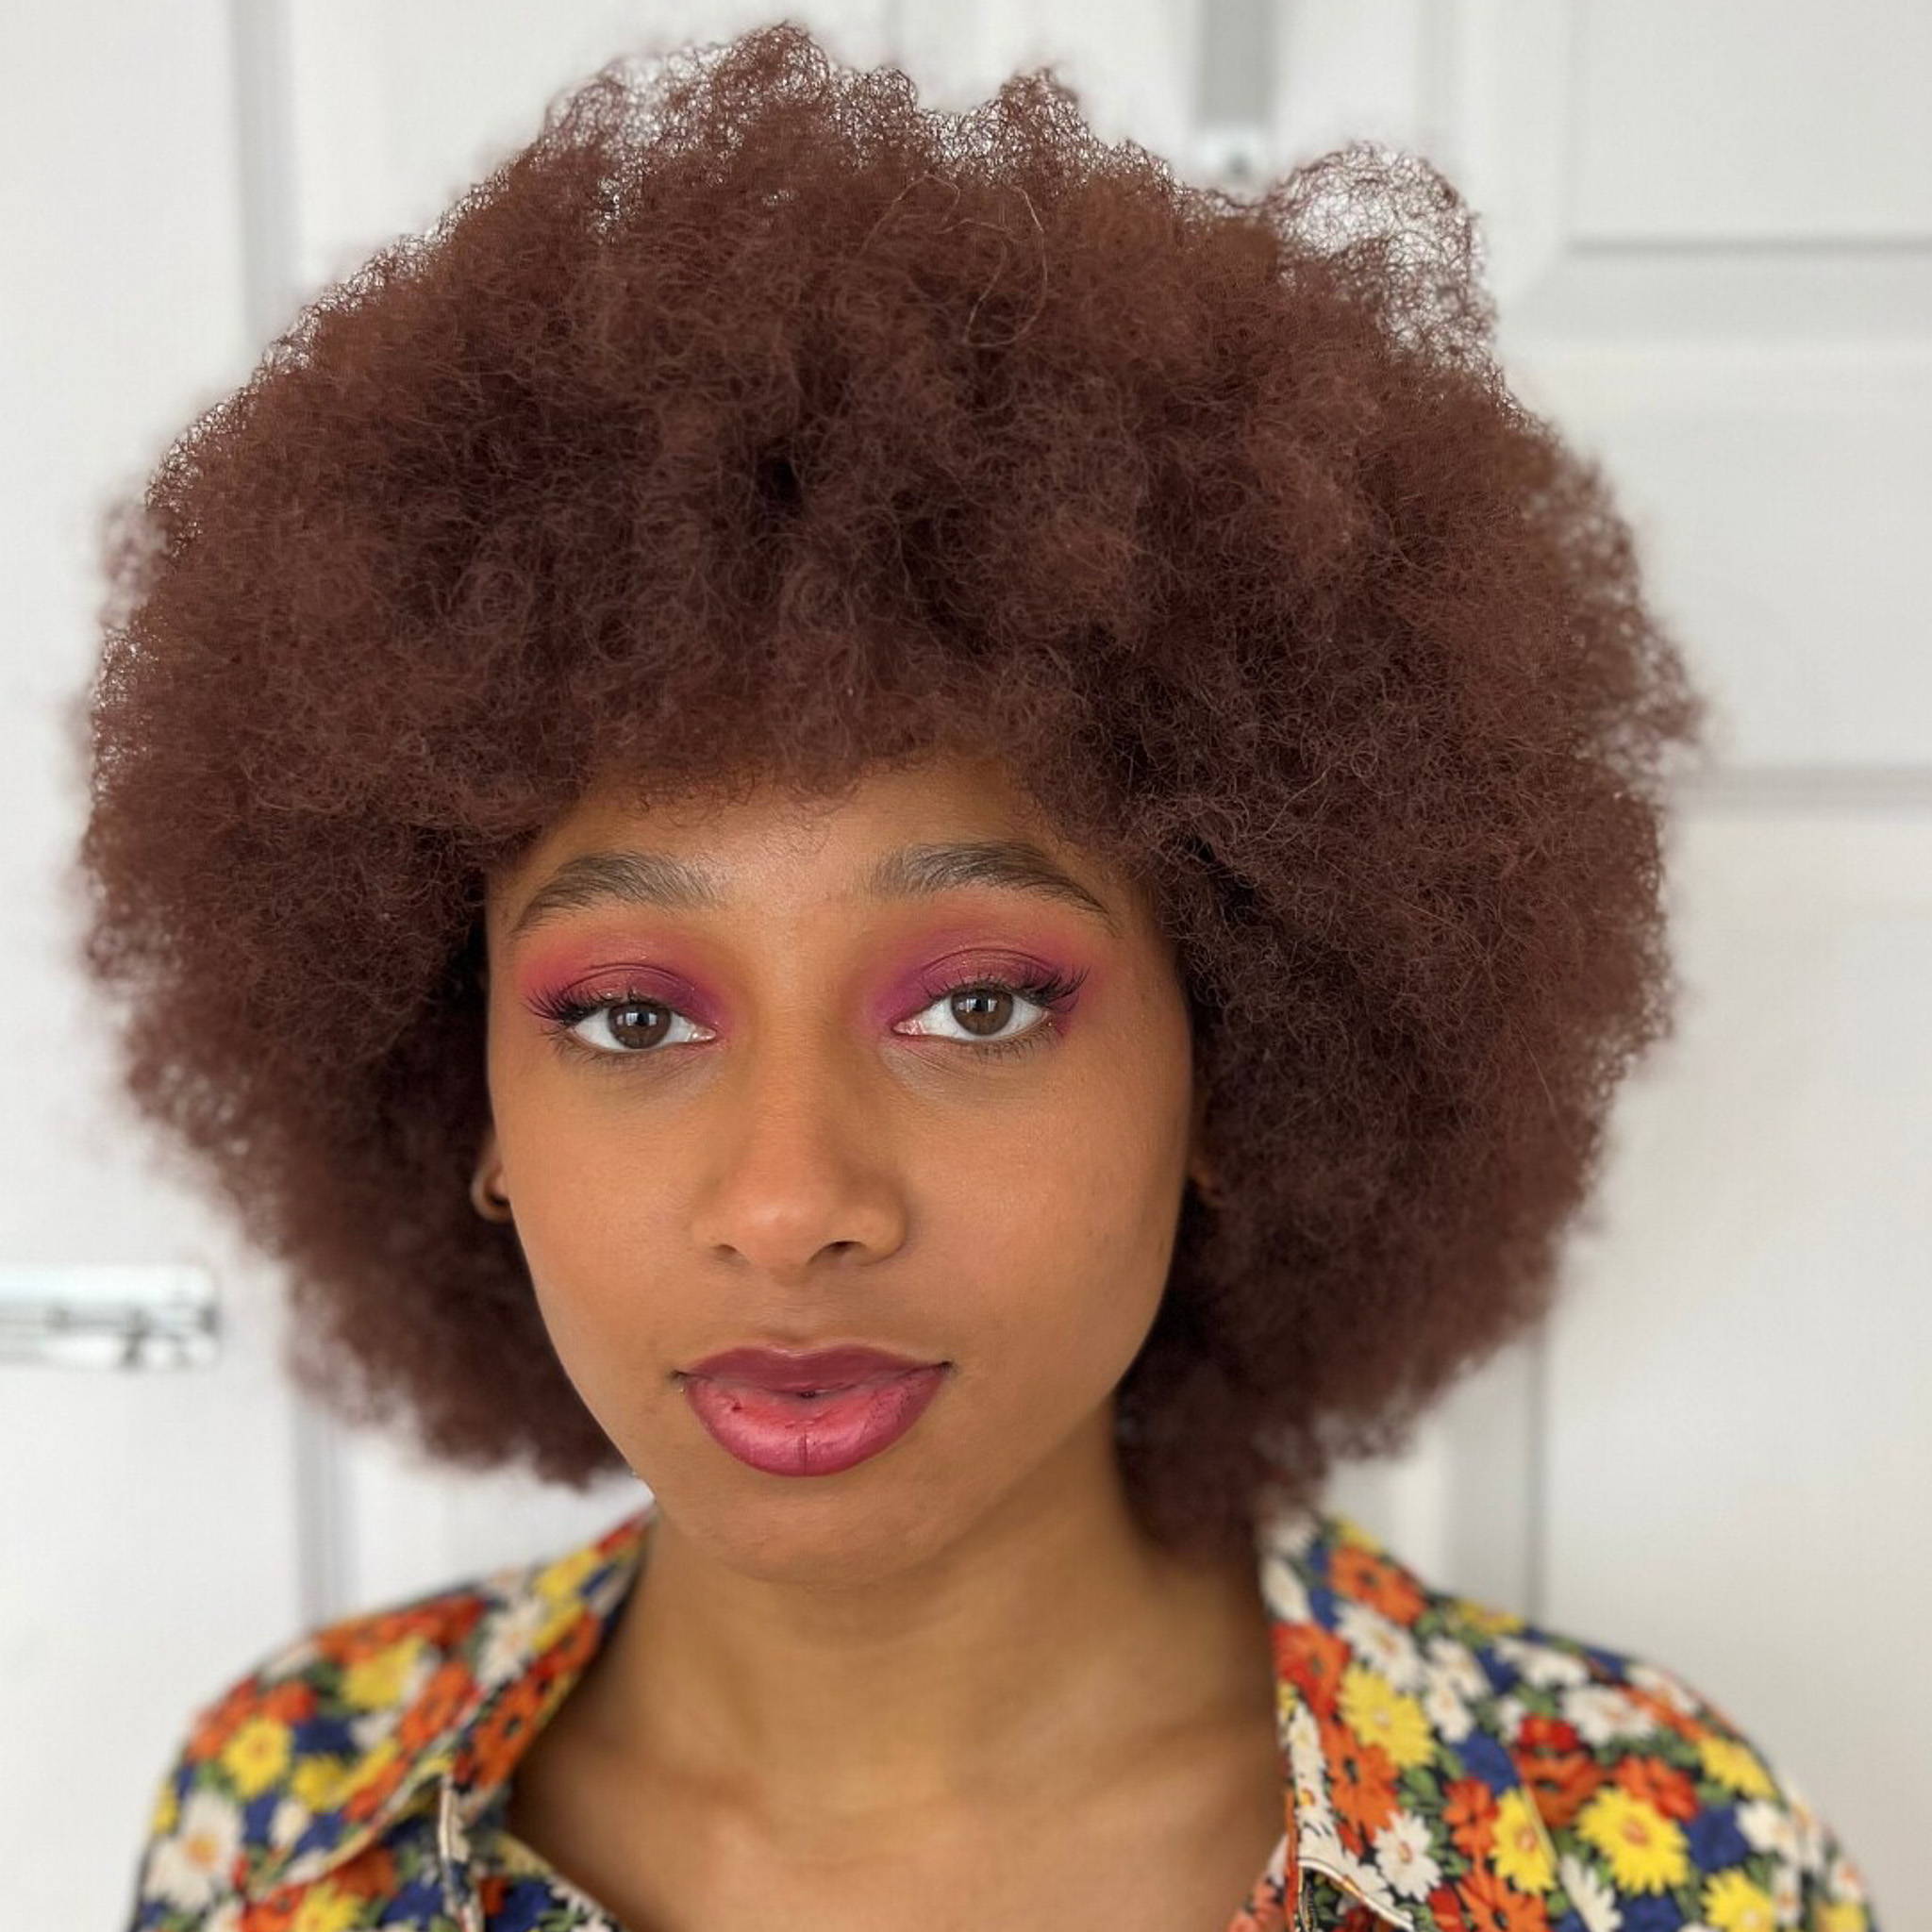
(1710, 235)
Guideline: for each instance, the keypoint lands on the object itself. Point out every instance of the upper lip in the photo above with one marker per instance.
(789, 1372)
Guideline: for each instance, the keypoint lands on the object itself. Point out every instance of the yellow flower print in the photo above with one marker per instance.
(257, 1755)
(1378, 1714)
(325, 1907)
(1736, 1765)
(1484, 1617)
(1646, 1850)
(371, 1768)
(1521, 1852)
(563, 1576)
(1348, 1530)
(167, 1809)
(317, 1782)
(1733, 1904)
(378, 1680)
(1841, 1915)
(556, 1624)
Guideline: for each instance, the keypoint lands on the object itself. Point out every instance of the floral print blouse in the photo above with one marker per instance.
(1447, 1767)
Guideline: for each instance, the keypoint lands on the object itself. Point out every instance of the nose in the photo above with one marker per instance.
(802, 1161)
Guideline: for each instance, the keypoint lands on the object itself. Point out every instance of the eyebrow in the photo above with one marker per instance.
(657, 879)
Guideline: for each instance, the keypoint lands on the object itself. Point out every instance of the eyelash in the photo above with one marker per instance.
(563, 1012)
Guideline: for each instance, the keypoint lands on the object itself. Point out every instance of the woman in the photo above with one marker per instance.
(955, 848)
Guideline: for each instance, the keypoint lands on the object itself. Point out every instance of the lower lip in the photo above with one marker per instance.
(811, 1435)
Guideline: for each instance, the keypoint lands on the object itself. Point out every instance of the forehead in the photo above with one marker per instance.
(954, 819)
(946, 790)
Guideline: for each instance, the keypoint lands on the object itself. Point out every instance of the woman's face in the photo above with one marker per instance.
(744, 1095)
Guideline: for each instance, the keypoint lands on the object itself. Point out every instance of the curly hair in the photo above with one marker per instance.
(753, 423)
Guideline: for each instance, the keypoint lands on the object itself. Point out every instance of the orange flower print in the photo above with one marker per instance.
(371, 1874)
(620, 1536)
(1562, 1785)
(1395, 1745)
(436, 1708)
(506, 1729)
(1357, 1573)
(1361, 1782)
(1480, 1902)
(1469, 1810)
(1539, 1733)
(375, 1790)
(1659, 1784)
(1664, 1710)
(444, 1624)
(1313, 1659)
(1561, 1776)
(573, 1649)
(274, 1913)
(221, 1720)
(288, 1701)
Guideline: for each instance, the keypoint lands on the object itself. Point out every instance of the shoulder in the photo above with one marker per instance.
(1456, 1756)
(292, 1752)
(1662, 1809)
(310, 1763)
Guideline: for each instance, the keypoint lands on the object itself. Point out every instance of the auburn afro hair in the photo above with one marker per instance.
(755, 422)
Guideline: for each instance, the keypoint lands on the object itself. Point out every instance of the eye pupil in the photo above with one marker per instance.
(983, 996)
(626, 1032)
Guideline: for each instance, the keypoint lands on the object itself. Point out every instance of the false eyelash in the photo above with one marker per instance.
(564, 1009)
(1050, 993)
(562, 1012)
(1053, 992)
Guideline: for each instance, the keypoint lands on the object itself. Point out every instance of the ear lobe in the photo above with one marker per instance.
(486, 1182)
(1200, 1168)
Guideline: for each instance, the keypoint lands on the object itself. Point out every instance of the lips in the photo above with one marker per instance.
(788, 1372)
(823, 1432)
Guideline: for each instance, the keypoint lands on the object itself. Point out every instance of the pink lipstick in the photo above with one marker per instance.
(813, 1414)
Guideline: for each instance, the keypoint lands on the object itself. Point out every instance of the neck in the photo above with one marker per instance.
(1035, 1655)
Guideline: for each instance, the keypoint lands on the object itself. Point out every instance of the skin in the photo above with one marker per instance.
(862, 1693)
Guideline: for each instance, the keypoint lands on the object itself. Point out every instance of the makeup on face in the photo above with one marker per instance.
(579, 928)
(631, 938)
(565, 974)
(823, 1434)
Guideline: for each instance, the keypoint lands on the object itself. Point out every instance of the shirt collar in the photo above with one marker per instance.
(475, 1672)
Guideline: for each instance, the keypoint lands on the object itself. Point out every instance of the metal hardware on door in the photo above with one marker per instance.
(109, 1317)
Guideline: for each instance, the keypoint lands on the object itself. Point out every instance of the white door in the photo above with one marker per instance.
(1710, 237)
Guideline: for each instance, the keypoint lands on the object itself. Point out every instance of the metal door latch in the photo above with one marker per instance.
(108, 1317)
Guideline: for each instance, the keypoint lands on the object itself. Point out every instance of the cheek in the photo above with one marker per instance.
(598, 1242)
(1065, 1226)
(1039, 1231)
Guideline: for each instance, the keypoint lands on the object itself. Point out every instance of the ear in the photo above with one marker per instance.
(1200, 1168)
(486, 1182)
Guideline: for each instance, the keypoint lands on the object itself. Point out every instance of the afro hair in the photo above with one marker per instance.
(753, 423)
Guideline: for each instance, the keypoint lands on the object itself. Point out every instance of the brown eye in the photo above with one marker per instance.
(629, 1030)
(985, 1009)
(625, 1027)
(982, 1010)
(632, 1028)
